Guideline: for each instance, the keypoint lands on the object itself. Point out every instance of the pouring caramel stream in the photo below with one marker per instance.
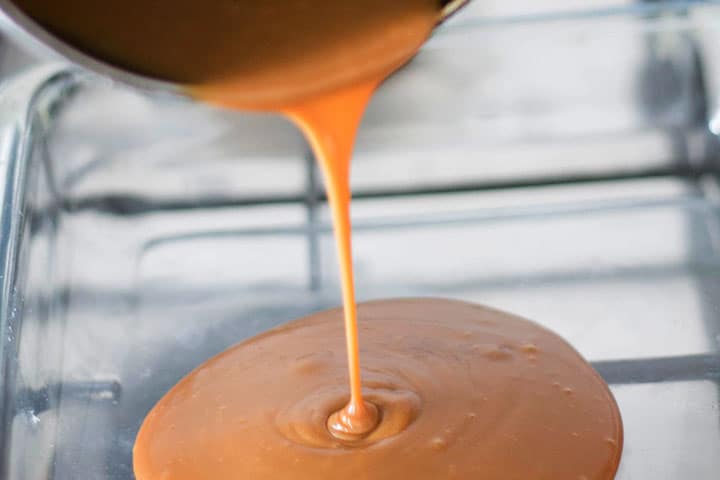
(330, 122)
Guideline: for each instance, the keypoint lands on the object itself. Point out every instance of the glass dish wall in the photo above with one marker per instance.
(562, 167)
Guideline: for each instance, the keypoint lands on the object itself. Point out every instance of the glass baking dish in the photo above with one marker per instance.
(562, 167)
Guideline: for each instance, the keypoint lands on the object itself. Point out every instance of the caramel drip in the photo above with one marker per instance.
(330, 124)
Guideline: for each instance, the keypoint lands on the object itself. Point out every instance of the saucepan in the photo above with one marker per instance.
(14, 20)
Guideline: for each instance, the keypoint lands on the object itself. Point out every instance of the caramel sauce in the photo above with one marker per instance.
(465, 392)
(330, 122)
(448, 389)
